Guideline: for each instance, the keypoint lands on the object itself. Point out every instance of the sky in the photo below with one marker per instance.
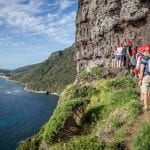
(30, 30)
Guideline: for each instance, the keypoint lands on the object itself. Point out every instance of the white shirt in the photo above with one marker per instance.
(119, 51)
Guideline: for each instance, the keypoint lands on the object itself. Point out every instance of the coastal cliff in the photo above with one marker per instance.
(102, 111)
(101, 24)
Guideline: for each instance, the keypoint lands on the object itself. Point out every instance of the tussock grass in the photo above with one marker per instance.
(60, 116)
(81, 143)
(142, 139)
(111, 102)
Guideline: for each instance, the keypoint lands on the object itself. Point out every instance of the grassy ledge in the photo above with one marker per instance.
(91, 116)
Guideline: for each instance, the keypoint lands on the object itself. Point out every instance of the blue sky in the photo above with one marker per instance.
(30, 30)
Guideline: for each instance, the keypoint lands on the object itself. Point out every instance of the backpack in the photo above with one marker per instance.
(139, 62)
(133, 61)
(124, 51)
(148, 66)
(146, 62)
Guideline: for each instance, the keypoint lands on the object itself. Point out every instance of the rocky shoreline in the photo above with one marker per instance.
(40, 92)
(28, 90)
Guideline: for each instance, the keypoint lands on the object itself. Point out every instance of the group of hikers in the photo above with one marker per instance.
(137, 60)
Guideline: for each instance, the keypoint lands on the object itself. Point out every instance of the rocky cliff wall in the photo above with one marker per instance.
(101, 24)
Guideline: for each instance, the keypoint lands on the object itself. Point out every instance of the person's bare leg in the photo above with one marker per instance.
(112, 64)
(145, 100)
(142, 97)
(122, 64)
(115, 63)
(119, 63)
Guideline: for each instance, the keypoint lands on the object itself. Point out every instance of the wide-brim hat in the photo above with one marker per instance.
(134, 51)
(147, 48)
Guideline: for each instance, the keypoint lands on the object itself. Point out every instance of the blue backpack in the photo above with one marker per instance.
(146, 62)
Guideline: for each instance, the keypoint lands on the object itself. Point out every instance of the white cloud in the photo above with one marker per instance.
(65, 4)
(25, 18)
(18, 44)
(4, 39)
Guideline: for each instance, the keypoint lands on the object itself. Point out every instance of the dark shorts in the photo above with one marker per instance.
(120, 57)
(115, 57)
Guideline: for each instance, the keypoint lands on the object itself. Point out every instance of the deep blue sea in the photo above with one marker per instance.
(21, 113)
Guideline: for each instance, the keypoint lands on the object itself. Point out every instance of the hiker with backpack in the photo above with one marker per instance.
(139, 56)
(133, 59)
(144, 76)
(127, 53)
(114, 59)
(120, 55)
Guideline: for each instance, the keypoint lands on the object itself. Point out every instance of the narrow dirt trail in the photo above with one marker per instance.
(143, 118)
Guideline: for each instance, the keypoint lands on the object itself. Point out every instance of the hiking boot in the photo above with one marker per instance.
(146, 110)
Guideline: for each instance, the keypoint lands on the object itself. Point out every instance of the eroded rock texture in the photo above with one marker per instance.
(102, 23)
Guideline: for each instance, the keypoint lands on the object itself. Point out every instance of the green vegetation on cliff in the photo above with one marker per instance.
(4, 72)
(93, 115)
(52, 75)
(142, 139)
(22, 71)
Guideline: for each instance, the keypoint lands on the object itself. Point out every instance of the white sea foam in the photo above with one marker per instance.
(16, 91)
(8, 92)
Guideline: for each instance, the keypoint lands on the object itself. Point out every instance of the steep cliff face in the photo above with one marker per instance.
(102, 23)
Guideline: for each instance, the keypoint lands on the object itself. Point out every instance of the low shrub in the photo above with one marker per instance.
(68, 93)
(84, 91)
(84, 75)
(96, 71)
(81, 92)
(93, 114)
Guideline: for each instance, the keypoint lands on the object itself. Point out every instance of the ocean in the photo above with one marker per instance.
(22, 113)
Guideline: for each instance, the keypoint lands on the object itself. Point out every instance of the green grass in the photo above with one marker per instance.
(117, 142)
(107, 95)
(72, 92)
(81, 143)
(119, 98)
(92, 115)
(115, 84)
(115, 122)
(96, 71)
(61, 114)
(84, 75)
(30, 144)
(142, 139)
(85, 143)
(104, 101)
(134, 108)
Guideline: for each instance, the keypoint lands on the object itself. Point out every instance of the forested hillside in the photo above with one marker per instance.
(4, 72)
(20, 72)
(52, 75)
